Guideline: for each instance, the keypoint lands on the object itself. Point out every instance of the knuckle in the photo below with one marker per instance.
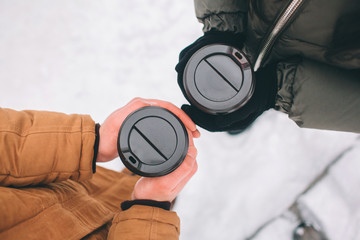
(188, 165)
(192, 152)
(163, 187)
(195, 167)
(138, 100)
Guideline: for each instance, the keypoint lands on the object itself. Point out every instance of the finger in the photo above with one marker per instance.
(196, 134)
(191, 140)
(144, 187)
(139, 99)
(184, 181)
(175, 177)
(137, 103)
(136, 99)
(131, 106)
(185, 168)
(177, 111)
(192, 153)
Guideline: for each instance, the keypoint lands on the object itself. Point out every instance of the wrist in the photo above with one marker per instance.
(107, 146)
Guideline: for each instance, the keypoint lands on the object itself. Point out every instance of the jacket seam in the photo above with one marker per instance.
(81, 145)
(7, 174)
(219, 13)
(292, 88)
(44, 132)
(143, 219)
(41, 211)
(284, 37)
(152, 224)
(99, 192)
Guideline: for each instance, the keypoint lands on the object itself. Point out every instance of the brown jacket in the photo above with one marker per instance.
(48, 190)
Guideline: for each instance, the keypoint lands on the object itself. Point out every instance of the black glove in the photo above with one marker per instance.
(208, 38)
(262, 99)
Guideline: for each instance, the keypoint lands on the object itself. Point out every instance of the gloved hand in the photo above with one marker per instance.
(262, 99)
(208, 38)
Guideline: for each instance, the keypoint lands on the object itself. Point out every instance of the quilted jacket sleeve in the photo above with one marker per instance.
(316, 95)
(222, 15)
(38, 147)
(145, 223)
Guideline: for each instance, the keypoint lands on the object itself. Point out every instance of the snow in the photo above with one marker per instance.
(335, 200)
(281, 228)
(92, 57)
(247, 180)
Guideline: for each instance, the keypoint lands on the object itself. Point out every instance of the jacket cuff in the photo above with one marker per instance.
(86, 157)
(222, 15)
(225, 22)
(128, 204)
(96, 146)
(286, 73)
(144, 222)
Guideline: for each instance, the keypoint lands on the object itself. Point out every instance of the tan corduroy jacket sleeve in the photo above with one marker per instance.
(38, 147)
(145, 223)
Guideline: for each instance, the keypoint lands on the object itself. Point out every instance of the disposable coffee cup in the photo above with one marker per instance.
(218, 79)
(152, 142)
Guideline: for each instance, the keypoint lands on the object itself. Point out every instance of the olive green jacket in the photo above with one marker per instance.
(317, 49)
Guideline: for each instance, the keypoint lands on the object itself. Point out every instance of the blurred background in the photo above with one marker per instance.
(92, 57)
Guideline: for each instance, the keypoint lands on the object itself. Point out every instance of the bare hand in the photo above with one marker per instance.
(167, 187)
(110, 128)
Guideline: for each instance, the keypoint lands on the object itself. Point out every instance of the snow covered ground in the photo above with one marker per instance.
(91, 57)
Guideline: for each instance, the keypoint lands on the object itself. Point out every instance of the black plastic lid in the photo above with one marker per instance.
(152, 142)
(218, 79)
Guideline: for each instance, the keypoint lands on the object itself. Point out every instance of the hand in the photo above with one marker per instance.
(167, 187)
(262, 99)
(212, 37)
(109, 130)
